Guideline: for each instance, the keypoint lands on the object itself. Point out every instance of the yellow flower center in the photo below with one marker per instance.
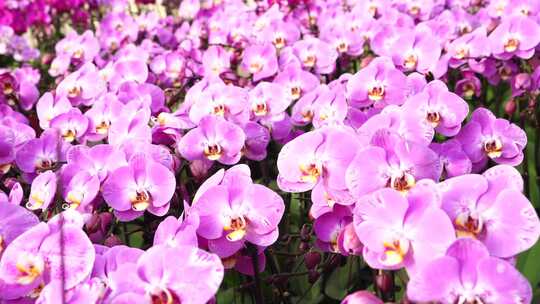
(376, 92)
(103, 127)
(309, 60)
(493, 147)
(69, 135)
(213, 151)
(29, 268)
(260, 108)
(279, 41)
(511, 44)
(468, 225)
(141, 200)
(296, 91)
(219, 109)
(74, 91)
(434, 118)
(403, 182)
(310, 172)
(395, 252)
(236, 228)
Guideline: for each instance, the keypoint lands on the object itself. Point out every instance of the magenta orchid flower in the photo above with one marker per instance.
(487, 137)
(40, 154)
(398, 232)
(233, 210)
(317, 157)
(378, 84)
(142, 184)
(444, 110)
(71, 125)
(297, 81)
(215, 139)
(491, 208)
(470, 275)
(50, 106)
(155, 280)
(391, 162)
(517, 36)
(268, 101)
(260, 61)
(47, 252)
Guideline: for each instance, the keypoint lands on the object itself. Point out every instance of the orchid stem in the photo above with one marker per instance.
(258, 290)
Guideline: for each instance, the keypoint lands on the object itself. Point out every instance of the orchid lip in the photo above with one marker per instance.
(260, 108)
(307, 115)
(141, 200)
(342, 47)
(8, 88)
(69, 135)
(469, 300)
(38, 201)
(213, 151)
(493, 147)
(74, 92)
(162, 296)
(376, 92)
(468, 224)
(434, 118)
(410, 62)
(296, 91)
(461, 52)
(402, 182)
(29, 268)
(395, 252)
(511, 44)
(102, 128)
(255, 67)
(279, 42)
(310, 172)
(309, 61)
(44, 165)
(219, 109)
(237, 227)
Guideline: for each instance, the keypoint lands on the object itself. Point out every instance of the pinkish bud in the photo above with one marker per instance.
(199, 169)
(365, 61)
(384, 281)
(112, 241)
(312, 259)
(313, 276)
(510, 107)
(362, 297)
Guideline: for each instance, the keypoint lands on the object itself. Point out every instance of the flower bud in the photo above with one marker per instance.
(313, 276)
(384, 282)
(510, 107)
(361, 297)
(312, 259)
(112, 241)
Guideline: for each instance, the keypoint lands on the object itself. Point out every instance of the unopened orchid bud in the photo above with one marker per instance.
(384, 281)
(312, 259)
(510, 107)
(362, 297)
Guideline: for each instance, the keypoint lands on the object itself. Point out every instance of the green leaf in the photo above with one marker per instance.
(529, 265)
(339, 282)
